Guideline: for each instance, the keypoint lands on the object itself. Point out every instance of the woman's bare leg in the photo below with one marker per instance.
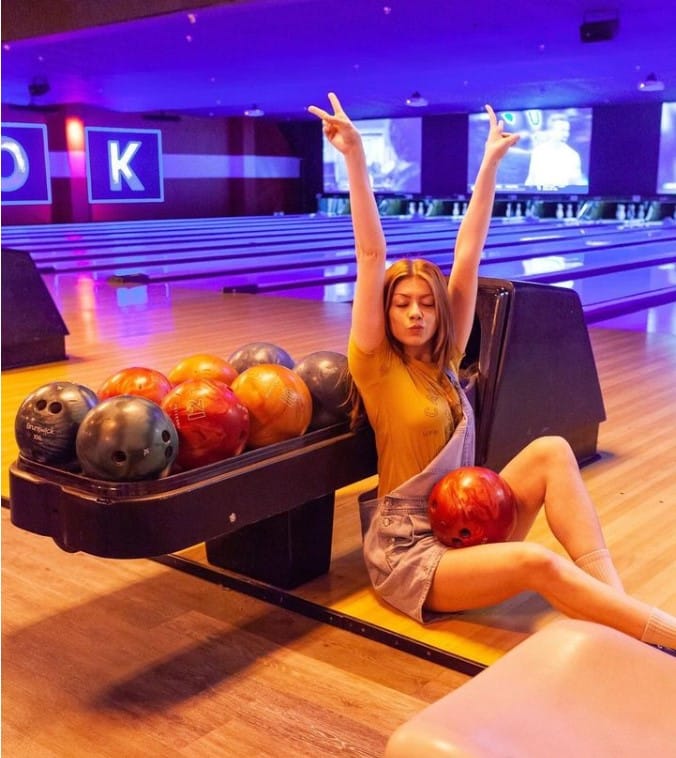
(546, 473)
(483, 575)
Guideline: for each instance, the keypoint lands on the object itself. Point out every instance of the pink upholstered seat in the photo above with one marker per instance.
(572, 690)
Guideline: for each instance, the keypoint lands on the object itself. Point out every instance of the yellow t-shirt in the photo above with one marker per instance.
(412, 420)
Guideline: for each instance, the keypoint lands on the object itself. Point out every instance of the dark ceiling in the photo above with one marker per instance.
(282, 55)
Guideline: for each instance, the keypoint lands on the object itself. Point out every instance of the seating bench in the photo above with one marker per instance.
(573, 689)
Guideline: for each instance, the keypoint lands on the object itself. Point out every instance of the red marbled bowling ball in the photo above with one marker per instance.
(471, 505)
(212, 423)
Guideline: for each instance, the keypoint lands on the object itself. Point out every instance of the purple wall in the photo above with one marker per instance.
(278, 167)
(253, 171)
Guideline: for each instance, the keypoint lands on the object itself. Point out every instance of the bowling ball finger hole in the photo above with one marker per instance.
(55, 408)
(41, 405)
(119, 456)
(166, 436)
(169, 452)
(465, 534)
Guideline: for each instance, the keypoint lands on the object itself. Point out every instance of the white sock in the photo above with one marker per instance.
(660, 629)
(600, 565)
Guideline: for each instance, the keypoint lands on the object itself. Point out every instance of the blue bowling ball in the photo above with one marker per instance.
(47, 422)
(126, 438)
(326, 374)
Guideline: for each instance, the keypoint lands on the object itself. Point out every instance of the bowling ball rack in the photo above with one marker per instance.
(286, 488)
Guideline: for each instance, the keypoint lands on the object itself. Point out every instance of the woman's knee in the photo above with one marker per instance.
(539, 566)
(550, 450)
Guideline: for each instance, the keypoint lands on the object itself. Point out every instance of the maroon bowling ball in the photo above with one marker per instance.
(126, 438)
(47, 422)
(212, 422)
(326, 374)
(471, 506)
(257, 353)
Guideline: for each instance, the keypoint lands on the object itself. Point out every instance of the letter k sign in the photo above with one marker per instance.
(119, 165)
(124, 165)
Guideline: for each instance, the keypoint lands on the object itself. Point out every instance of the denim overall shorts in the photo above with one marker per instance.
(400, 551)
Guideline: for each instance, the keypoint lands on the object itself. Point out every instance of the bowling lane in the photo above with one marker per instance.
(148, 244)
(250, 228)
(313, 257)
(185, 262)
(596, 261)
(543, 268)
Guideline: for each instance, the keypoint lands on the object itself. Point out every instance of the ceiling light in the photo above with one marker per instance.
(254, 112)
(651, 84)
(416, 100)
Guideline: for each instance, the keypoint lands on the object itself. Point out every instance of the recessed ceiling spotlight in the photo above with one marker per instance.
(651, 84)
(416, 100)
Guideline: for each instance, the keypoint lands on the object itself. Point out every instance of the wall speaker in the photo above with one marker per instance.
(599, 31)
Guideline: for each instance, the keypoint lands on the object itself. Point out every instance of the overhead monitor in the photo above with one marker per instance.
(552, 154)
(393, 149)
(666, 167)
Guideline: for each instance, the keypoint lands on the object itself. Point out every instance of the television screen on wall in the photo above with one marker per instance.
(393, 149)
(666, 167)
(552, 154)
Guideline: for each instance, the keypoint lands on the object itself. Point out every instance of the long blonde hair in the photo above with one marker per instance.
(444, 353)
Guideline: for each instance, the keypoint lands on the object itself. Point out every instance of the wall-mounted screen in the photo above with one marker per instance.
(666, 167)
(393, 149)
(552, 154)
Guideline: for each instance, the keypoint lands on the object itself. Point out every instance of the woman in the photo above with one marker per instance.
(409, 330)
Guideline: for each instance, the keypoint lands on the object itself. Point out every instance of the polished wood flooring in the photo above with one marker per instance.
(127, 658)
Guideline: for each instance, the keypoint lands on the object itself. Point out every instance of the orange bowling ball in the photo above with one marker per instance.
(137, 380)
(203, 366)
(471, 505)
(279, 403)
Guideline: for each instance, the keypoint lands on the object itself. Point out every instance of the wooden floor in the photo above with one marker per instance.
(127, 658)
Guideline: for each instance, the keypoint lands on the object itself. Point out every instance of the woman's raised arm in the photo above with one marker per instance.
(368, 321)
(469, 243)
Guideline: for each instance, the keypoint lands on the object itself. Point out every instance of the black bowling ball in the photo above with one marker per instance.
(326, 374)
(47, 422)
(126, 438)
